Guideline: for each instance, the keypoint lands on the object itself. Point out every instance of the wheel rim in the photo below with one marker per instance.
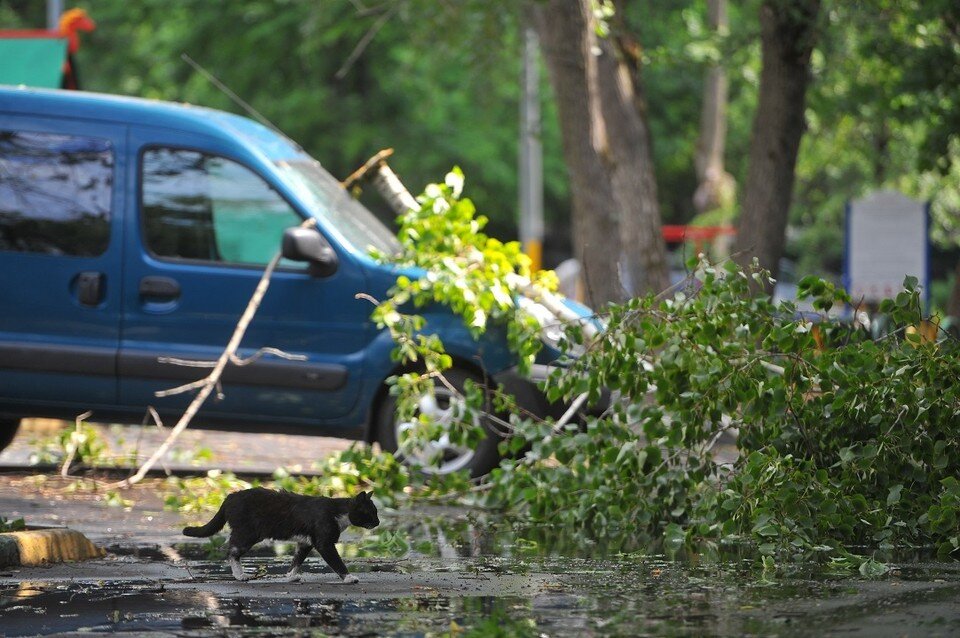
(445, 409)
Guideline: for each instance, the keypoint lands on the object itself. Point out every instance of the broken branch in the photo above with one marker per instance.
(212, 380)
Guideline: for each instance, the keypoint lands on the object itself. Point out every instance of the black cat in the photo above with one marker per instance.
(312, 521)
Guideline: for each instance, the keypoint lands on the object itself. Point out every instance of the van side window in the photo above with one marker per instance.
(200, 206)
(55, 193)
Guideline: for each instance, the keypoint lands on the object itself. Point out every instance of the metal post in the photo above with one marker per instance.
(531, 154)
(54, 11)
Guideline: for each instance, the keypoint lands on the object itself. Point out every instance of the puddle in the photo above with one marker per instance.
(461, 575)
(135, 608)
(43, 609)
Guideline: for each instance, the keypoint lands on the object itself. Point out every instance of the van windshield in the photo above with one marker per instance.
(345, 215)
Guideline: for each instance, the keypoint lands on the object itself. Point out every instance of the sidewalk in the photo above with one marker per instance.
(199, 450)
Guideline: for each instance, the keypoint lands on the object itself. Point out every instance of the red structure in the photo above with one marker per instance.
(699, 235)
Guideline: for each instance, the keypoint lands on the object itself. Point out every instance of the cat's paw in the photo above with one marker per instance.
(244, 577)
(350, 579)
(293, 577)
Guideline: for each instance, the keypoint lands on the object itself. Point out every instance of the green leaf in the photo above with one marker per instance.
(674, 537)
(625, 449)
(872, 569)
(893, 497)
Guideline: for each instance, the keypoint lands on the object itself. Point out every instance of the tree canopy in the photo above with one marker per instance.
(440, 83)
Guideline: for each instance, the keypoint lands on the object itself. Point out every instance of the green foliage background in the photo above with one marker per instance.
(440, 83)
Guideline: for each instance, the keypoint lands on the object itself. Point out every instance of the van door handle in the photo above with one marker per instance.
(90, 288)
(159, 288)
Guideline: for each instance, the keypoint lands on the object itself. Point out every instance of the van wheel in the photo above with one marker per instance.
(440, 456)
(8, 430)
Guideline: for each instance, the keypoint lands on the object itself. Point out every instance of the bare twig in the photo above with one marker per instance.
(213, 379)
(180, 389)
(574, 406)
(366, 297)
(187, 363)
(65, 468)
(234, 359)
(364, 43)
(153, 414)
(364, 11)
(207, 385)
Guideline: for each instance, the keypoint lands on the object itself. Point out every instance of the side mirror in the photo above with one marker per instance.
(307, 244)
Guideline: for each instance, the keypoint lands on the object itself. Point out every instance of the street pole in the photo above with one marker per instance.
(54, 11)
(531, 153)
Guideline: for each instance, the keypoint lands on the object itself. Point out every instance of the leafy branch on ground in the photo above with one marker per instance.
(15, 525)
(446, 259)
(842, 441)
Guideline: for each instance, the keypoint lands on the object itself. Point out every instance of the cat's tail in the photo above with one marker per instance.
(215, 525)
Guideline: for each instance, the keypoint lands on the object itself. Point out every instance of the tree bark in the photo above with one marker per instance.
(787, 32)
(630, 161)
(616, 219)
(567, 44)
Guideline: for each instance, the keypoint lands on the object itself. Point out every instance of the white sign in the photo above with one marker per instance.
(886, 241)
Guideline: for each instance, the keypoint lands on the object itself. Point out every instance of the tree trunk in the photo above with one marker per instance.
(616, 219)
(787, 32)
(715, 186)
(630, 162)
(567, 43)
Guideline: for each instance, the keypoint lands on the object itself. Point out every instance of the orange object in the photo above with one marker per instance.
(73, 21)
(534, 250)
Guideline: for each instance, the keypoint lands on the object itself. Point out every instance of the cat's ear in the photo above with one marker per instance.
(367, 495)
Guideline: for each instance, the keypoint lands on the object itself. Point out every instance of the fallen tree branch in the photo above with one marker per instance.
(390, 187)
(212, 380)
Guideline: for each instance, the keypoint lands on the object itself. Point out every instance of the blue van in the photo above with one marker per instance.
(132, 230)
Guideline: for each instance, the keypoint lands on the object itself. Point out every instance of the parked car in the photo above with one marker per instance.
(132, 230)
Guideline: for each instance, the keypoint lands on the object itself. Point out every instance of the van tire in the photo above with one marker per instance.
(485, 457)
(8, 430)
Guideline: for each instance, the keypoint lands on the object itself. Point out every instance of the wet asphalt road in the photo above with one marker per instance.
(453, 576)
(165, 595)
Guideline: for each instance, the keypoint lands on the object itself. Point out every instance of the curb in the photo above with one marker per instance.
(42, 546)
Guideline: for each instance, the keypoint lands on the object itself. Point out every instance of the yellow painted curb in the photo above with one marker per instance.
(38, 547)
